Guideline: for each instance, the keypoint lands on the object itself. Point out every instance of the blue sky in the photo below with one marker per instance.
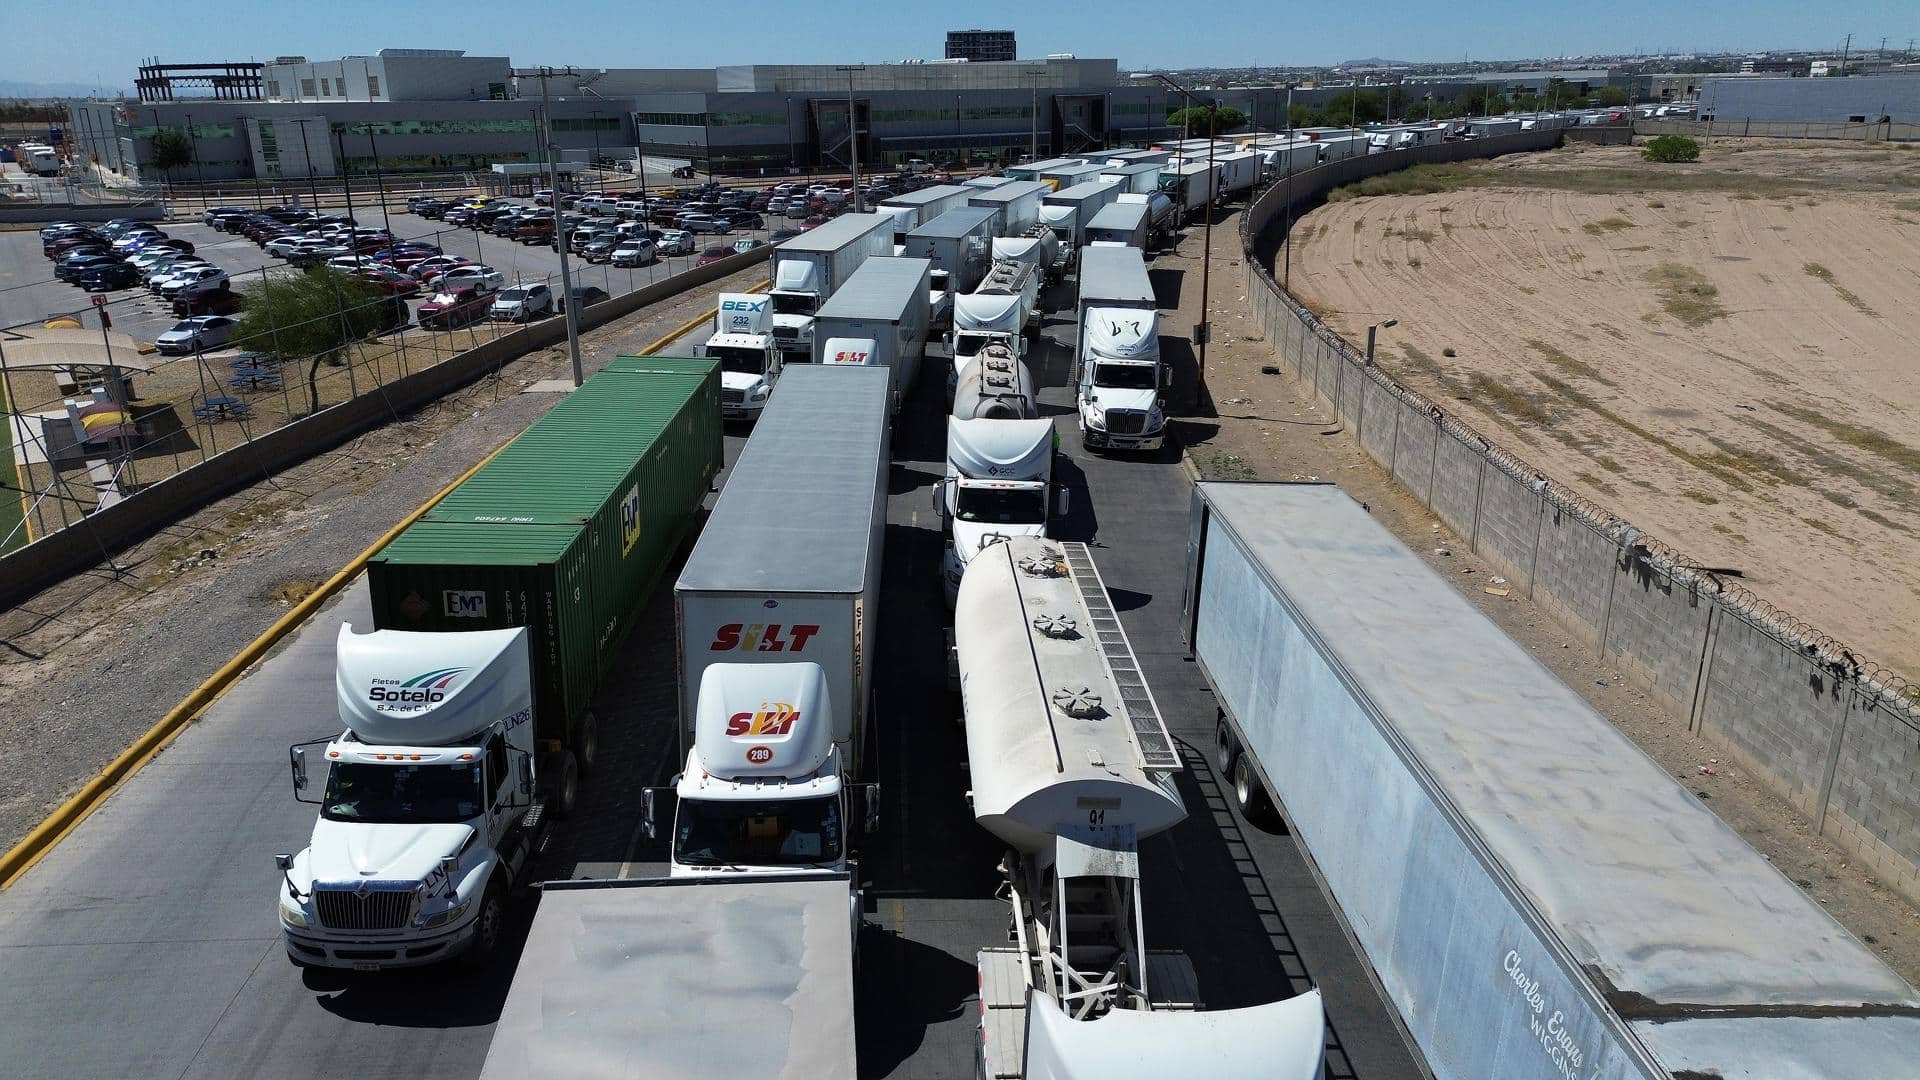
(89, 41)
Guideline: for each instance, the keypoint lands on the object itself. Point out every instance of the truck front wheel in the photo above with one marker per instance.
(489, 925)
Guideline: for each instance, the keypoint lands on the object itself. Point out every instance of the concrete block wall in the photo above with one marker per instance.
(1793, 710)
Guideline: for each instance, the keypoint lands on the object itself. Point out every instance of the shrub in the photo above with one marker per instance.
(1671, 148)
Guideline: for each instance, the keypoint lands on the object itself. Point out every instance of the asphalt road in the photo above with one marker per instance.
(29, 293)
(146, 943)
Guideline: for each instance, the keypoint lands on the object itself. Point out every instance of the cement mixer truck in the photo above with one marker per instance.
(1072, 766)
(1000, 311)
(1000, 458)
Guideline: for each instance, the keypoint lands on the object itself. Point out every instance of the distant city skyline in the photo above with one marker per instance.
(101, 43)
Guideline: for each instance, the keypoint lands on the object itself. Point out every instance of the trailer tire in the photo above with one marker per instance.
(568, 789)
(587, 743)
(1249, 794)
(1226, 749)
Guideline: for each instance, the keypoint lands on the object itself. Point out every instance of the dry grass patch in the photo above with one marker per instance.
(1607, 225)
(1686, 294)
(1820, 273)
(1559, 358)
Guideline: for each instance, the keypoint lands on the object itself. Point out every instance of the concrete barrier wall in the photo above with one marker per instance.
(1836, 736)
(94, 539)
(34, 215)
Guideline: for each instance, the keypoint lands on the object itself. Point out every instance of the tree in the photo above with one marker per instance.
(311, 316)
(172, 150)
(1609, 97)
(1483, 101)
(1207, 120)
(1397, 101)
(1351, 108)
(1671, 148)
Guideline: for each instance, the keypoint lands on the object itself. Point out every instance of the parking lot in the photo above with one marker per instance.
(29, 293)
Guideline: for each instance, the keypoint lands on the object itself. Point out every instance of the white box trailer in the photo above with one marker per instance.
(1341, 146)
(1135, 179)
(985, 182)
(1067, 212)
(959, 244)
(1188, 184)
(916, 208)
(1018, 203)
(1279, 156)
(1537, 895)
(1121, 223)
(1080, 171)
(885, 301)
(1238, 173)
(787, 567)
(1033, 170)
(809, 267)
(1482, 127)
(666, 978)
(1137, 157)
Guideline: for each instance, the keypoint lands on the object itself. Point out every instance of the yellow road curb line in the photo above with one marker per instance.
(45, 836)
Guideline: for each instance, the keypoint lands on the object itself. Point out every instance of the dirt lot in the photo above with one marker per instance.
(1720, 352)
(1269, 427)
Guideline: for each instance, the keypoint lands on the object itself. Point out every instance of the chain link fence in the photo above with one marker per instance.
(1780, 129)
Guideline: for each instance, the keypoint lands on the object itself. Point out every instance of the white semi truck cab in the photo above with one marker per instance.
(796, 296)
(427, 808)
(765, 789)
(1119, 397)
(998, 485)
(750, 361)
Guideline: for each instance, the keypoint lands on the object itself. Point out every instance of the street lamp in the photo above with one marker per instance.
(1203, 330)
(1371, 333)
(853, 138)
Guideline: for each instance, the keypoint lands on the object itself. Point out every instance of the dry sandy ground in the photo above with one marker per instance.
(1733, 369)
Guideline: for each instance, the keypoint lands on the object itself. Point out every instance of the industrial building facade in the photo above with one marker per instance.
(981, 46)
(1859, 99)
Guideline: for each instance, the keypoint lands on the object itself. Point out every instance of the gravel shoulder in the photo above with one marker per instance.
(1270, 427)
(91, 663)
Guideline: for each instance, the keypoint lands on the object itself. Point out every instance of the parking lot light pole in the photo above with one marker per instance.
(853, 138)
(1204, 329)
(567, 304)
(306, 158)
(1372, 331)
(380, 180)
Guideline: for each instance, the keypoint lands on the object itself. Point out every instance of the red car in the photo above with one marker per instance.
(712, 254)
(448, 310)
(429, 270)
(386, 282)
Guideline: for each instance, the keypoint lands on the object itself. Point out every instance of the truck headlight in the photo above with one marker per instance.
(452, 914)
(1096, 418)
(291, 913)
(760, 392)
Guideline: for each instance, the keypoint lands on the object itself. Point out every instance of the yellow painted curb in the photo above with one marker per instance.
(47, 835)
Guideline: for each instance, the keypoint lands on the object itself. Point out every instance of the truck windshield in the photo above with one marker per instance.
(1001, 506)
(744, 361)
(966, 344)
(1124, 376)
(797, 832)
(792, 304)
(402, 794)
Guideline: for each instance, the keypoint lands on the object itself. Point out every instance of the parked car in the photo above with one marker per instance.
(482, 277)
(108, 277)
(676, 242)
(713, 254)
(212, 215)
(454, 307)
(535, 230)
(522, 303)
(196, 334)
(747, 243)
(216, 302)
(633, 251)
(703, 223)
(584, 296)
(194, 280)
(387, 281)
(73, 267)
(782, 234)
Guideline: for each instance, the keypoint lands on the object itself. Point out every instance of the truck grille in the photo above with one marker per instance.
(732, 397)
(788, 332)
(1126, 421)
(383, 907)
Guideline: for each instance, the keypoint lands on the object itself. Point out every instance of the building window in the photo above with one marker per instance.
(326, 88)
(746, 119)
(306, 87)
(373, 86)
(273, 88)
(592, 123)
(669, 119)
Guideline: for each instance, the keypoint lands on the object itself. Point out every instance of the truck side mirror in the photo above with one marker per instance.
(870, 808)
(449, 866)
(1066, 502)
(1166, 378)
(298, 757)
(526, 775)
(283, 861)
(939, 496)
(647, 828)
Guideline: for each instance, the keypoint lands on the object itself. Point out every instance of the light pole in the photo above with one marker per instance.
(1371, 333)
(853, 138)
(1033, 112)
(306, 159)
(569, 306)
(595, 164)
(1203, 330)
(379, 179)
(1286, 239)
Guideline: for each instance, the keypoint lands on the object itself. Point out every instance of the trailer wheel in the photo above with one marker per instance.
(587, 745)
(1249, 795)
(1226, 749)
(569, 786)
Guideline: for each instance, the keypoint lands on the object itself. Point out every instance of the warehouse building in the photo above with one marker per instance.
(1861, 99)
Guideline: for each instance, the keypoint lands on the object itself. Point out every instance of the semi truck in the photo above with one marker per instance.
(884, 304)
(1018, 203)
(1161, 216)
(1118, 373)
(1037, 247)
(1537, 895)
(1238, 172)
(743, 343)
(916, 208)
(1067, 212)
(1004, 307)
(1137, 157)
(1122, 224)
(1281, 156)
(959, 245)
(999, 474)
(1187, 184)
(807, 269)
(1078, 171)
(467, 709)
(1035, 171)
(1072, 766)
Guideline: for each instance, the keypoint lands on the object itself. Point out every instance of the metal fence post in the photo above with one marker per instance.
(1696, 715)
(1833, 764)
(1539, 528)
(1479, 487)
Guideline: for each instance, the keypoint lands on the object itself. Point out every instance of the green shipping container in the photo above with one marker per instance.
(567, 530)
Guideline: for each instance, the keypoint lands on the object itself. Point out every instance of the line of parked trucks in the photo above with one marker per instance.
(1558, 946)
